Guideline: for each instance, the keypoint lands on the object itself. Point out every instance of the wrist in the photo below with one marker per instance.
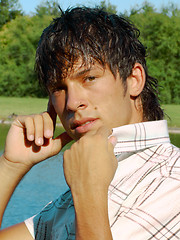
(90, 202)
(90, 196)
(91, 210)
(13, 168)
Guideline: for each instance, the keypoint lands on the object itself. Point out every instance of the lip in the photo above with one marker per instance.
(84, 125)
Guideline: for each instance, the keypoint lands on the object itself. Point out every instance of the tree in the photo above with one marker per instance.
(9, 9)
(160, 32)
(171, 10)
(18, 42)
(50, 8)
(108, 7)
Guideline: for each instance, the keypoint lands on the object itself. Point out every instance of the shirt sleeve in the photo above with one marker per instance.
(55, 221)
(37, 223)
(30, 226)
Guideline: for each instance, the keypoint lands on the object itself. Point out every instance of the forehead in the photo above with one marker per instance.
(80, 68)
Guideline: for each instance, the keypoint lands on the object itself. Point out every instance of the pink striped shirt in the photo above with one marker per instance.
(143, 198)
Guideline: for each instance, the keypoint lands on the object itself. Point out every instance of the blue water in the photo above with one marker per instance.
(43, 183)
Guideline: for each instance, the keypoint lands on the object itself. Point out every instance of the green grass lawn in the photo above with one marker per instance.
(173, 115)
(22, 106)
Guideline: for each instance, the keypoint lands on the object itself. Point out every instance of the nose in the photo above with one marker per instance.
(75, 98)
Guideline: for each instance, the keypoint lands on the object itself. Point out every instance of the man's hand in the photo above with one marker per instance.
(89, 167)
(91, 162)
(30, 139)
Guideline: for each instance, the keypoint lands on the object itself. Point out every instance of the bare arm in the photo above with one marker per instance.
(89, 167)
(9, 179)
(28, 142)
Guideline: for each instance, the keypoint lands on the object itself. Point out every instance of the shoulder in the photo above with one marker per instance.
(63, 202)
(52, 215)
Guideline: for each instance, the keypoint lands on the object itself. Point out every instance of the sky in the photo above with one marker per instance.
(29, 6)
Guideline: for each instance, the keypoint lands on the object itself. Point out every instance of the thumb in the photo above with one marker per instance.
(59, 142)
(113, 140)
(52, 112)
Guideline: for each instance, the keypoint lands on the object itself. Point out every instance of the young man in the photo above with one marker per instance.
(122, 171)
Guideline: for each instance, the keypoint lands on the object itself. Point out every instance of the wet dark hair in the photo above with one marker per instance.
(94, 36)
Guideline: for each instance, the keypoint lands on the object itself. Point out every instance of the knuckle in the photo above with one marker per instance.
(73, 147)
(28, 119)
(84, 141)
(16, 120)
(47, 117)
(81, 140)
(66, 153)
(45, 114)
(37, 117)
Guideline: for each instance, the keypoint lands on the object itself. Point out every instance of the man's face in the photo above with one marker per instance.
(90, 97)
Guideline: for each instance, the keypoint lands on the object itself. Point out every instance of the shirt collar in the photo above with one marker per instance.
(138, 136)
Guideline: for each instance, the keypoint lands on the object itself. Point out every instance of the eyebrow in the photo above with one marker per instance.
(83, 72)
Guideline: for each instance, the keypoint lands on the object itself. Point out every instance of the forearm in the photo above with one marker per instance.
(10, 176)
(92, 220)
(89, 168)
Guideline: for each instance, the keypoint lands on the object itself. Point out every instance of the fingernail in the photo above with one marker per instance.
(40, 141)
(31, 138)
(48, 133)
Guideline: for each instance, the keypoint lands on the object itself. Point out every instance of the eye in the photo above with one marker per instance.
(89, 78)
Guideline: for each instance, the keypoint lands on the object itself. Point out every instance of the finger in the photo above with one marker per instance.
(27, 123)
(29, 126)
(39, 130)
(48, 125)
(52, 112)
(59, 142)
(113, 140)
(111, 144)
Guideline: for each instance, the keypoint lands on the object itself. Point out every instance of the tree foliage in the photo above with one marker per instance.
(160, 32)
(107, 6)
(50, 8)
(19, 36)
(18, 43)
(9, 9)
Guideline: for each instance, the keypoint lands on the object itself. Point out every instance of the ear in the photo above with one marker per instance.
(136, 80)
